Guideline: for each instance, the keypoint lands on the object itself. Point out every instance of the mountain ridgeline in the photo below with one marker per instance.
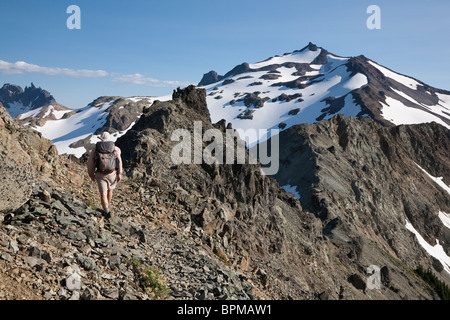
(355, 196)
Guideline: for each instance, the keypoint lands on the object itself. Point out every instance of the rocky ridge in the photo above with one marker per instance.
(56, 236)
(365, 182)
(211, 231)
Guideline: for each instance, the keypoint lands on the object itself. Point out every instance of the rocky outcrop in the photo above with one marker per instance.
(9, 92)
(24, 155)
(15, 169)
(209, 78)
(122, 112)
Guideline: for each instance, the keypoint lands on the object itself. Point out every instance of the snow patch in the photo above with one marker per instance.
(436, 251)
(445, 218)
(64, 132)
(307, 56)
(31, 113)
(60, 113)
(406, 81)
(49, 111)
(438, 180)
(396, 112)
(356, 82)
(350, 109)
(445, 100)
(136, 99)
(287, 74)
(336, 57)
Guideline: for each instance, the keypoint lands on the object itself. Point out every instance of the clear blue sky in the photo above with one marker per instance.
(144, 47)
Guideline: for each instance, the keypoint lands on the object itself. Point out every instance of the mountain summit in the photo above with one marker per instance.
(312, 84)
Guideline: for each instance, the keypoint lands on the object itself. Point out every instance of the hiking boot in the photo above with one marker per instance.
(100, 212)
(107, 214)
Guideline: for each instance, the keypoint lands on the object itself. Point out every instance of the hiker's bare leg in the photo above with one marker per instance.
(110, 194)
(104, 200)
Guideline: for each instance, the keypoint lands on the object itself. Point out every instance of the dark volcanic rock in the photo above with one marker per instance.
(194, 98)
(228, 81)
(242, 68)
(210, 77)
(357, 282)
(122, 114)
(253, 100)
(246, 114)
(288, 97)
(356, 176)
(270, 76)
(321, 58)
(35, 97)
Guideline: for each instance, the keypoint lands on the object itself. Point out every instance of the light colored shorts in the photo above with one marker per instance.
(106, 182)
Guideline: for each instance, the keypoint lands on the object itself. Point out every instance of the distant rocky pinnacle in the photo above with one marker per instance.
(17, 100)
(11, 93)
(209, 78)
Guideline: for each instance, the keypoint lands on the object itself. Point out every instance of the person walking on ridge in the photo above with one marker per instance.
(105, 167)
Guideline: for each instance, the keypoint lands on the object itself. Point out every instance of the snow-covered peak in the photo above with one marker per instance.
(407, 81)
(305, 56)
(282, 91)
(312, 84)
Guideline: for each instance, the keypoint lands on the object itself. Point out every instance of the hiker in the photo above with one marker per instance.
(105, 167)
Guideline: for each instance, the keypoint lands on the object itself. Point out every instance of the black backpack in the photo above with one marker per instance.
(105, 157)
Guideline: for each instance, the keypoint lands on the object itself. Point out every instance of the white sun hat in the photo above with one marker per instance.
(105, 136)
